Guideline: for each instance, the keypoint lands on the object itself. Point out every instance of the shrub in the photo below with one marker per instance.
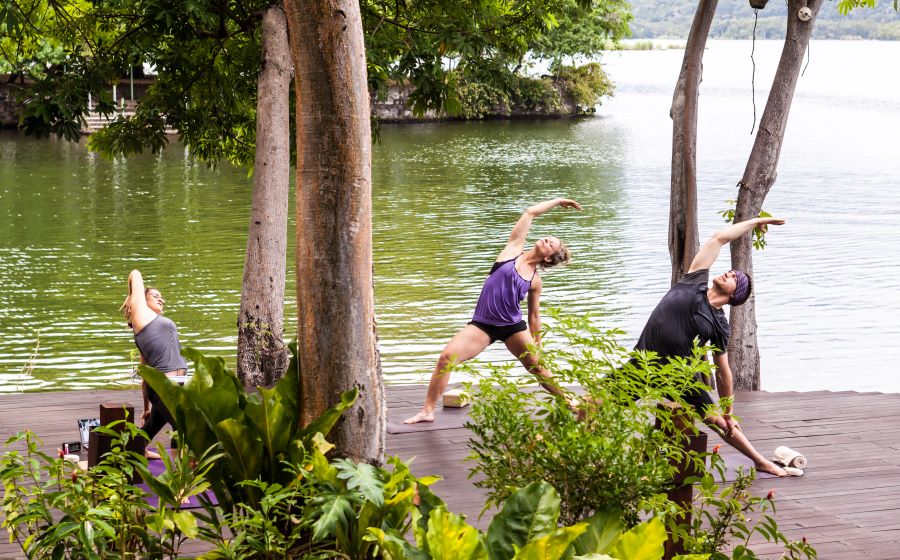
(605, 452)
(613, 457)
(586, 84)
(257, 433)
(54, 510)
(725, 516)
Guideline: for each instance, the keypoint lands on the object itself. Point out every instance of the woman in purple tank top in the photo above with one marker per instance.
(497, 314)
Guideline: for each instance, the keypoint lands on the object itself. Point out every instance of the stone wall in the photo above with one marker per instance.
(394, 108)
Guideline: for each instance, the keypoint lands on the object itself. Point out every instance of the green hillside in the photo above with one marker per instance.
(734, 20)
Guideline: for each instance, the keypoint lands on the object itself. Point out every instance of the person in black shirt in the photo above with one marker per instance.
(691, 311)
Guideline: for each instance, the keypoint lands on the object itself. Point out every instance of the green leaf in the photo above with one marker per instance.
(643, 542)
(186, 523)
(242, 448)
(530, 512)
(603, 528)
(593, 556)
(333, 510)
(553, 545)
(362, 477)
(395, 547)
(449, 537)
(329, 418)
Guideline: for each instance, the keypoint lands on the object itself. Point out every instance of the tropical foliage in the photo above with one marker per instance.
(52, 509)
(614, 449)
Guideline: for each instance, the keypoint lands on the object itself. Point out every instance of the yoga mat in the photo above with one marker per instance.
(444, 419)
(733, 461)
(157, 467)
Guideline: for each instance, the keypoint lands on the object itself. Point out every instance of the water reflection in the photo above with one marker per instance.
(445, 197)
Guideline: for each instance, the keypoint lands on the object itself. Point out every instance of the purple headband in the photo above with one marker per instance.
(741, 290)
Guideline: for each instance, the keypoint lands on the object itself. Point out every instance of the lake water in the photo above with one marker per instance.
(445, 195)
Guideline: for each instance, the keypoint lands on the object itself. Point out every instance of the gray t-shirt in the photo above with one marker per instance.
(159, 345)
(684, 314)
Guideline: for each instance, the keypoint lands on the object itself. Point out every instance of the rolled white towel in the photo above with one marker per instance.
(788, 457)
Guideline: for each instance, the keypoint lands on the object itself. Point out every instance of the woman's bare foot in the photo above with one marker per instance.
(151, 454)
(771, 468)
(423, 416)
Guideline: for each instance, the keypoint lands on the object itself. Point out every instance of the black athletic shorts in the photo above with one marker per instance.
(500, 332)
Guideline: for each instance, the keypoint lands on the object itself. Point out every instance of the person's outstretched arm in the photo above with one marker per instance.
(139, 312)
(710, 250)
(516, 243)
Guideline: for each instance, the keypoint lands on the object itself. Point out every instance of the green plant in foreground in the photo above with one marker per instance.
(725, 516)
(325, 510)
(54, 510)
(257, 433)
(525, 529)
(608, 452)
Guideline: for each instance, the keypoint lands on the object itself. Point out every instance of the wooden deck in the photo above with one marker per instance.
(847, 505)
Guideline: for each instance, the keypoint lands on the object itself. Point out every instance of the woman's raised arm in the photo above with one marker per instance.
(516, 243)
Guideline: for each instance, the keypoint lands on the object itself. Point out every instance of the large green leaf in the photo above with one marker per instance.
(362, 477)
(594, 556)
(213, 389)
(604, 527)
(552, 546)
(273, 422)
(451, 538)
(395, 547)
(329, 418)
(428, 501)
(643, 542)
(333, 511)
(243, 448)
(528, 513)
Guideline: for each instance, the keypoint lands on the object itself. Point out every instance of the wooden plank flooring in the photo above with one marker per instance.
(847, 505)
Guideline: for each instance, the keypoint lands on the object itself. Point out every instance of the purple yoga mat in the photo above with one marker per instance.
(733, 461)
(444, 419)
(157, 467)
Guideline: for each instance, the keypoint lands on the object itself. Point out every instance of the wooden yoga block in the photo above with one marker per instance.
(456, 398)
(101, 444)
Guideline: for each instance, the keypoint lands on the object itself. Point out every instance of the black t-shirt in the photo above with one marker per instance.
(684, 314)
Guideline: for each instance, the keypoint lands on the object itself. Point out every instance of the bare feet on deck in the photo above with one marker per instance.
(771, 468)
(423, 416)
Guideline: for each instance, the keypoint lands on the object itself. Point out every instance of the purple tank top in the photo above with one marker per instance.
(501, 295)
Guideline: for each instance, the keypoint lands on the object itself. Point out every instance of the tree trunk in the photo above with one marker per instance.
(683, 236)
(337, 341)
(262, 356)
(759, 176)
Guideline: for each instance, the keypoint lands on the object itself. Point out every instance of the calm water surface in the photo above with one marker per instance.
(72, 225)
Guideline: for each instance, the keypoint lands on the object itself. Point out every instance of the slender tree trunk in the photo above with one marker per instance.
(683, 236)
(759, 176)
(337, 343)
(262, 355)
